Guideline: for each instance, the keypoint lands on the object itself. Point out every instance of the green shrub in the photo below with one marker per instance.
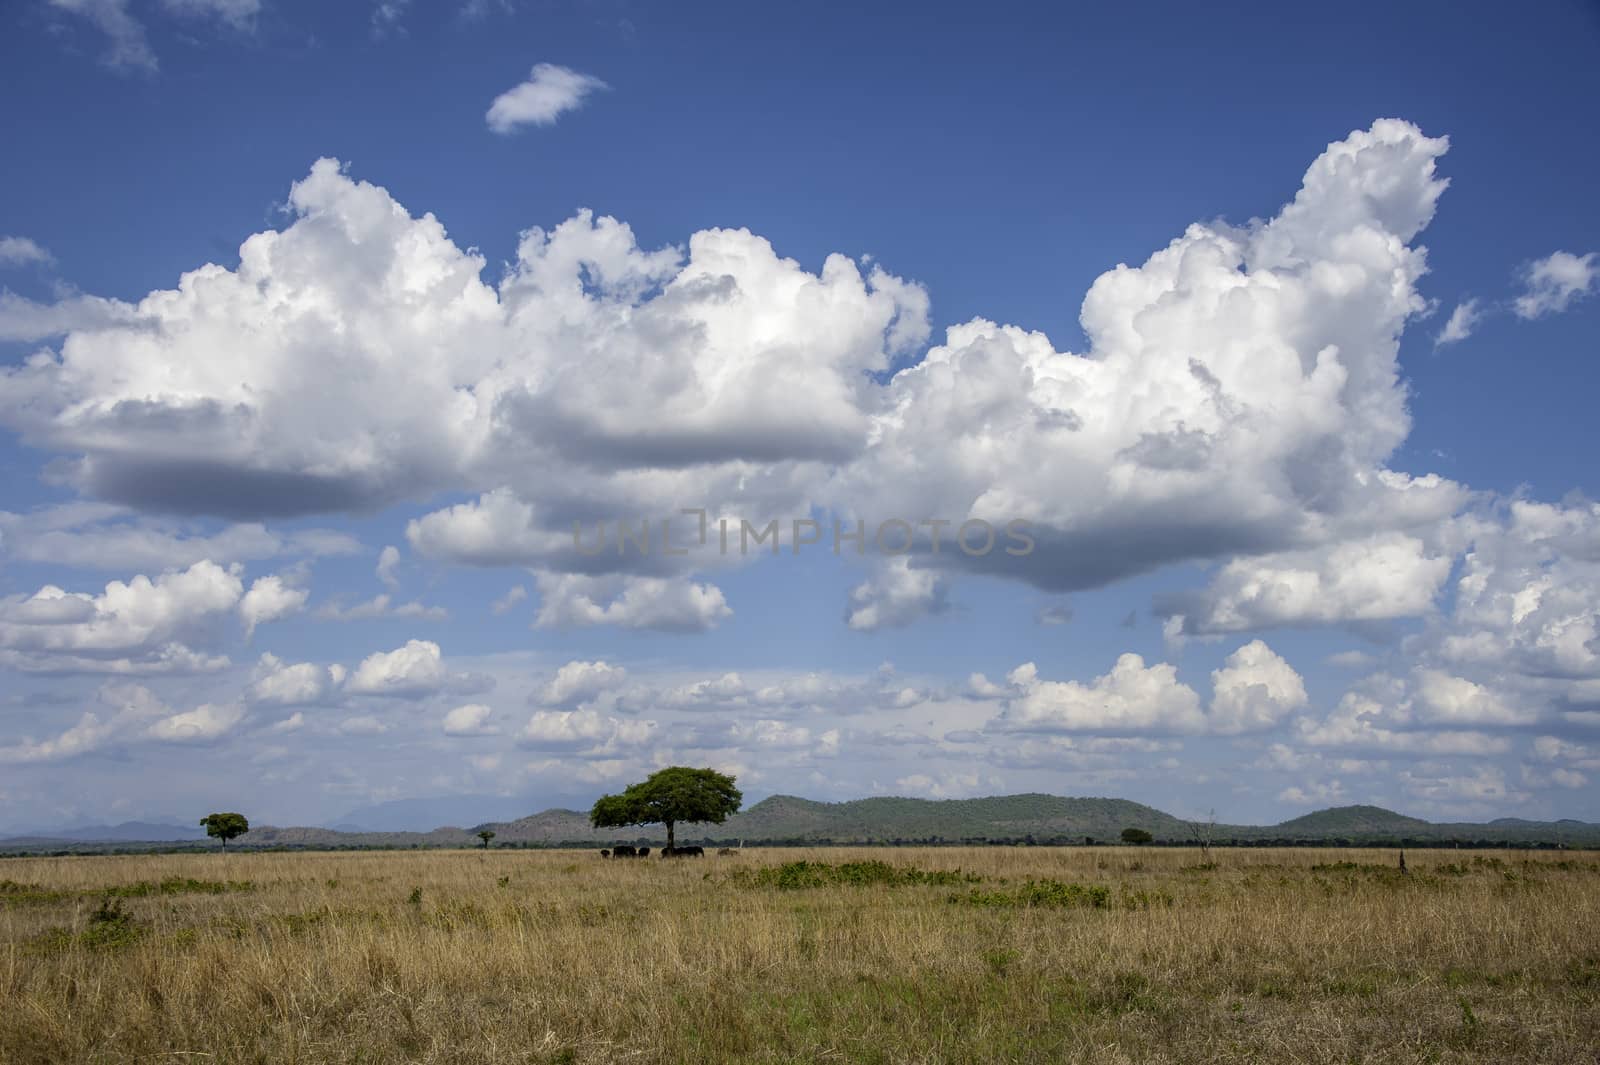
(796, 876)
(1041, 893)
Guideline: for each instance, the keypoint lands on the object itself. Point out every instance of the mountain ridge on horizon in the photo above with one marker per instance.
(1023, 817)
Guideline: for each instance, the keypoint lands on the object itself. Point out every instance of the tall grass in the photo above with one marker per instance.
(981, 955)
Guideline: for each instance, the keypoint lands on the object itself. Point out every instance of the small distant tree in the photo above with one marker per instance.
(225, 826)
(486, 835)
(1136, 836)
(1201, 832)
(668, 797)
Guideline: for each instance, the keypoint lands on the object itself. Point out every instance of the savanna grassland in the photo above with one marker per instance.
(904, 955)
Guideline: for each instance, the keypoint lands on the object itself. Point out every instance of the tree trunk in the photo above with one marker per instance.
(669, 837)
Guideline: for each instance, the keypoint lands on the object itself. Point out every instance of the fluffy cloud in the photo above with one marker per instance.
(1551, 284)
(1384, 714)
(580, 682)
(1132, 697)
(469, 720)
(21, 251)
(898, 595)
(131, 714)
(1450, 701)
(718, 376)
(204, 724)
(665, 604)
(1255, 689)
(497, 529)
(767, 734)
(415, 670)
(1528, 596)
(550, 92)
(278, 683)
(1387, 575)
(23, 319)
(1239, 395)
(1555, 749)
(270, 599)
(588, 730)
(140, 621)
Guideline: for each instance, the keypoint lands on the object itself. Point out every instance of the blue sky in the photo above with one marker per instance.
(1277, 332)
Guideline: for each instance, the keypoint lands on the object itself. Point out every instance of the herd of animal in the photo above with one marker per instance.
(623, 850)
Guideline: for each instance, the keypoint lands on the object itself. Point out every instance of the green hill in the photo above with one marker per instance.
(1353, 821)
(950, 820)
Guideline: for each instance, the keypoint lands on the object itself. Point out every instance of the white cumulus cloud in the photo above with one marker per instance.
(270, 599)
(550, 92)
(1552, 284)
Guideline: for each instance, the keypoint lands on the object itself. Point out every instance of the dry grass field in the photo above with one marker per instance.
(1037, 954)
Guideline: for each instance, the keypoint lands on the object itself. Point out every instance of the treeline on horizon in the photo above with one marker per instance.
(54, 849)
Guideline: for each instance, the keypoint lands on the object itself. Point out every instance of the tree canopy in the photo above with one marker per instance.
(1136, 835)
(669, 796)
(225, 826)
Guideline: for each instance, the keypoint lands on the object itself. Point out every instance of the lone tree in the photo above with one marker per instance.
(225, 826)
(1136, 836)
(1201, 832)
(486, 835)
(667, 797)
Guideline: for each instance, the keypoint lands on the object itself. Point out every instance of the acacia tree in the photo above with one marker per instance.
(672, 795)
(1136, 836)
(486, 835)
(225, 826)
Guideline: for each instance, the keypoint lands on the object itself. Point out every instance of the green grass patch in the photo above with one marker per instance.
(109, 927)
(796, 876)
(1039, 893)
(177, 885)
(15, 894)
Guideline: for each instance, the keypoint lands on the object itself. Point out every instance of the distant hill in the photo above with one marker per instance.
(1353, 821)
(126, 832)
(1004, 818)
(1000, 817)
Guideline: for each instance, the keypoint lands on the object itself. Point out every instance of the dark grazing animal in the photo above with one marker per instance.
(644, 852)
(622, 850)
(605, 854)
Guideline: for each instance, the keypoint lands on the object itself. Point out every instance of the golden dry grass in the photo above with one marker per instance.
(559, 956)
